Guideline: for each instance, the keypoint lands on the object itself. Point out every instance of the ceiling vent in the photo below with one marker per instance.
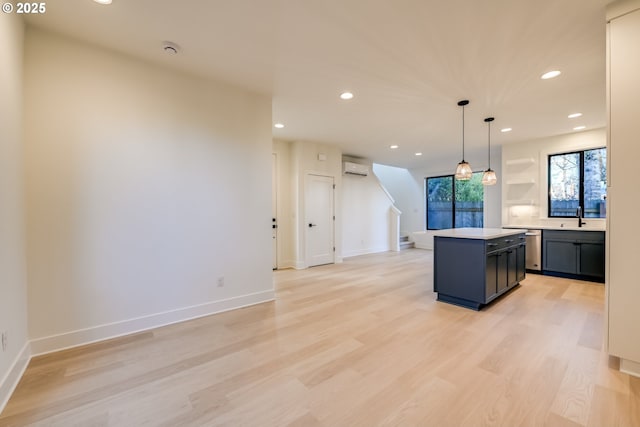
(170, 48)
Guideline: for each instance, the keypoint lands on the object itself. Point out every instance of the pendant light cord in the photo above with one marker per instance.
(488, 120)
(489, 154)
(463, 133)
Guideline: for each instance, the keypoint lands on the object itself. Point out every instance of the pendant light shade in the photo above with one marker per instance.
(489, 176)
(463, 171)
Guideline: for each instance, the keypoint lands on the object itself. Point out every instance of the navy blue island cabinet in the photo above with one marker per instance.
(473, 266)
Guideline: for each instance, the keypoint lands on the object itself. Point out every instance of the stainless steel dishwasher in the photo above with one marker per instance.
(534, 250)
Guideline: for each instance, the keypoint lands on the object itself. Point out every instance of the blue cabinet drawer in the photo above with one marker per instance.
(504, 242)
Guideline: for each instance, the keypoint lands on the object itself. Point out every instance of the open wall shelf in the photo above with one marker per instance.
(520, 162)
(521, 181)
(521, 202)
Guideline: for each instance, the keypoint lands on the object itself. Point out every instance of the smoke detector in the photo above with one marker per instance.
(170, 48)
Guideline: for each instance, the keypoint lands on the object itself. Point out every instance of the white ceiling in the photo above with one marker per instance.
(408, 62)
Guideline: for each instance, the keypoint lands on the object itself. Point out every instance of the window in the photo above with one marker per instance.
(439, 202)
(446, 211)
(578, 180)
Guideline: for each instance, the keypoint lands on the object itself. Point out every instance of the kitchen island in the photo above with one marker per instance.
(474, 266)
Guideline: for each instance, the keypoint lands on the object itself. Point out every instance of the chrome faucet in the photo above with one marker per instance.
(579, 215)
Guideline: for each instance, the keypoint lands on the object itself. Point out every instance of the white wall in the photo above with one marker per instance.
(524, 186)
(407, 193)
(435, 166)
(144, 186)
(407, 188)
(286, 212)
(362, 206)
(306, 159)
(13, 284)
(366, 210)
(623, 91)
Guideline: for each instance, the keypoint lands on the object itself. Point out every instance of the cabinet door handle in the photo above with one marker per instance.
(509, 241)
(492, 245)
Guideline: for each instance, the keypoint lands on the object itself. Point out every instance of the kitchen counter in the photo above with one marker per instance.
(478, 233)
(552, 227)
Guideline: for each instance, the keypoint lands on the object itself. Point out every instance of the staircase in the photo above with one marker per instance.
(405, 243)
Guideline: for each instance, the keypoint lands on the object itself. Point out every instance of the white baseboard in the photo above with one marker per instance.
(288, 263)
(366, 251)
(80, 337)
(423, 246)
(423, 239)
(12, 378)
(630, 367)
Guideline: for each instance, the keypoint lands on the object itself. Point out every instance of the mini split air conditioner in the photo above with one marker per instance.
(355, 169)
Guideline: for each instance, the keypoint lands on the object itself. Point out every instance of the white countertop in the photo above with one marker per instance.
(478, 233)
(554, 227)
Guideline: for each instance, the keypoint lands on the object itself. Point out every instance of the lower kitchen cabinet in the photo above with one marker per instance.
(521, 261)
(505, 268)
(591, 260)
(560, 255)
(578, 254)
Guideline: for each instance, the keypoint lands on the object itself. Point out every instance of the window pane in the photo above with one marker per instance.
(439, 203)
(469, 202)
(564, 184)
(595, 183)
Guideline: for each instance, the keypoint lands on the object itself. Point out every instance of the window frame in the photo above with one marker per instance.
(453, 200)
(581, 181)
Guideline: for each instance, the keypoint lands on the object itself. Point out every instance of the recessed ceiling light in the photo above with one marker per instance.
(506, 130)
(346, 95)
(418, 154)
(103, 1)
(278, 125)
(393, 147)
(579, 127)
(550, 75)
(574, 115)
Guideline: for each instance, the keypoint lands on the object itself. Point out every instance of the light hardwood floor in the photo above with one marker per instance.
(363, 343)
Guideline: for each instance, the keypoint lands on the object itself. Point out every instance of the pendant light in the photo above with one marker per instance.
(463, 171)
(489, 176)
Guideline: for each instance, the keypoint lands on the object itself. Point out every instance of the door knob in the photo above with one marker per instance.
(312, 225)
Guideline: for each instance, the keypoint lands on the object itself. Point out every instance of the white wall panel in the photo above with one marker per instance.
(144, 187)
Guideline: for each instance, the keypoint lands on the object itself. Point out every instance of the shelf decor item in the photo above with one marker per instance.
(463, 171)
(489, 176)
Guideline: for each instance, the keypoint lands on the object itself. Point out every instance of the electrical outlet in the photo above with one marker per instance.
(4, 341)
(220, 281)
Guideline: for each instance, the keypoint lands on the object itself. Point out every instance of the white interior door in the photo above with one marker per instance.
(319, 220)
(274, 209)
